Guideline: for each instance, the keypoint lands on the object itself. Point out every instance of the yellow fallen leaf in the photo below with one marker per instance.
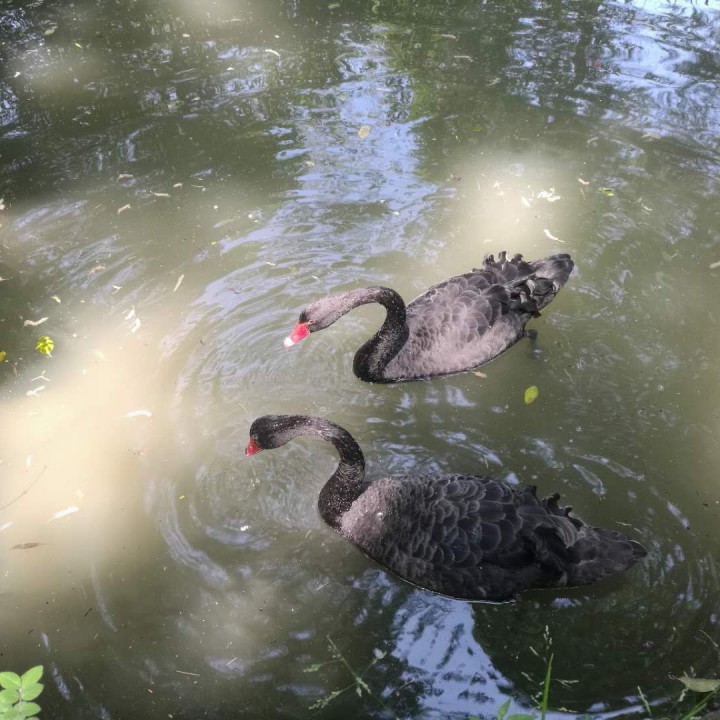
(531, 394)
(364, 131)
(45, 345)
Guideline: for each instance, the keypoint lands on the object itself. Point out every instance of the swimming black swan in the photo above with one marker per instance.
(456, 325)
(464, 536)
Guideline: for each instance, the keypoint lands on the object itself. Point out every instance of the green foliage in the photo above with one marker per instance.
(17, 693)
(45, 345)
(531, 394)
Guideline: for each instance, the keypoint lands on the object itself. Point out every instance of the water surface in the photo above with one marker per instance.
(180, 178)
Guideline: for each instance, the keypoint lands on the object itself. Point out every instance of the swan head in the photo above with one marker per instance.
(323, 313)
(271, 431)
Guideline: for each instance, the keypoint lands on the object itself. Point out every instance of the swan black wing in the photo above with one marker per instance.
(464, 536)
(469, 319)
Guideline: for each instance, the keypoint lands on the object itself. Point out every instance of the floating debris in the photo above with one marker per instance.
(45, 345)
(124, 208)
(364, 131)
(549, 195)
(64, 513)
(178, 283)
(34, 323)
(548, 234)
(531, 394)
(136, 413)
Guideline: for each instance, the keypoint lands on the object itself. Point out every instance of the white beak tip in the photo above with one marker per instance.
(288, 342)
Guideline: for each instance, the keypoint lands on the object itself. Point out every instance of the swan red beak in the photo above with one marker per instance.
(300, 331)
(252, 448)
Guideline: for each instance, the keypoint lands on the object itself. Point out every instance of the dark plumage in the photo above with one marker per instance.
(456, 325)
(464, 536)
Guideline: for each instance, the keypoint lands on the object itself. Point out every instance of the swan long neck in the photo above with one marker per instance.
(372, 358)
(347, 483)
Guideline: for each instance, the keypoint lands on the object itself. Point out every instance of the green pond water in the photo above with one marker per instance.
(179, 178)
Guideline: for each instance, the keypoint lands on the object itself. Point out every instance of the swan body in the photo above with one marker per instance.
(456, 325)
(464, 536)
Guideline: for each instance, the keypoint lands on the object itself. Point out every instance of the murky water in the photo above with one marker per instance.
(181, 178)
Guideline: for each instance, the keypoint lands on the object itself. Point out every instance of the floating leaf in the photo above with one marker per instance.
(531, 394)
(607, 191)
(3, 354)
(364, 131)
(77, 44)
(30, 692)
(9, 696)
(28, 710)
(502, 710)
(55, 298)
(520, 716)
(10, 681)
(49, 31)
(703, 685)
(45, 345)
(32, 676)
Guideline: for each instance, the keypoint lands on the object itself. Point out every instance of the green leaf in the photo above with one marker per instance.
(10, 695)
(531, 394)
(45, 345)
(12, 714)
(28, 709)
(32, 676)
(607, 191)
(3, 354)
(10, 680)
(502, 710)
(49, 31)
(703, 685)
(313, 668)
(520, 716)
(30, 692)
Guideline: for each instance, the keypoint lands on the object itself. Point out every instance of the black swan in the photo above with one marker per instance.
(456, 325)
(464, 536)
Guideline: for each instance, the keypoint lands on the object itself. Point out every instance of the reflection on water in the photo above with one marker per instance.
(180, 180)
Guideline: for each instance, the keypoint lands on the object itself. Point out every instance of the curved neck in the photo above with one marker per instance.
(372, 358)
(346, 483)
